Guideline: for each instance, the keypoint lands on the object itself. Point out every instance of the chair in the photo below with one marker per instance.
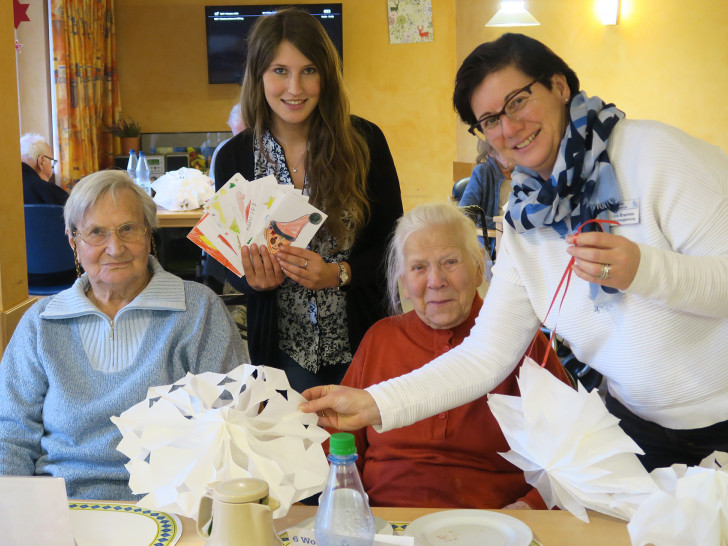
(51, 267)
(477, 215)
(458, 189)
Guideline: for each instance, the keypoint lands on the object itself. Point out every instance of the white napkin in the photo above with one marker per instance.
(689, 509)
(34, 510)
(215, 427)
(570, 447)
(183, 189)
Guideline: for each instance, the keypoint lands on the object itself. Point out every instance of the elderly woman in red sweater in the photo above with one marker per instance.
(451, 459)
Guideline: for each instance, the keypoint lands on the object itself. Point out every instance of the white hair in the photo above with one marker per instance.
(94, 186)
(422, 218)
(32, 146)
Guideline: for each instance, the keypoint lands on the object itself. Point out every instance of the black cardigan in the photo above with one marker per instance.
(38, 191)
(366, 293)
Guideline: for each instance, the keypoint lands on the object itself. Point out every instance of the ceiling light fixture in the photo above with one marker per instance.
(512, 13)
(608, 11)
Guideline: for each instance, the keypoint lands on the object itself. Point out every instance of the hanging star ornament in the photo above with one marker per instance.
(21, 13)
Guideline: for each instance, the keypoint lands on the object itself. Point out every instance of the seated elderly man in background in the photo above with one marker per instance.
(451, 459)
(92, 351)
(37, 163)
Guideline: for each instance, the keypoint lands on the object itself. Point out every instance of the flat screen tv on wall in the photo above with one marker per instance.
(227, 30)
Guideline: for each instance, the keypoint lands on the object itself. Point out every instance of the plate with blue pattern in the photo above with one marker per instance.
(118, 524)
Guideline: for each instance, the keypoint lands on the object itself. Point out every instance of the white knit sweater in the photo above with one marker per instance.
(663, 346)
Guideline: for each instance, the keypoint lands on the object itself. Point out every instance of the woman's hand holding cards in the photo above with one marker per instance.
(307, 268)
(262, 270)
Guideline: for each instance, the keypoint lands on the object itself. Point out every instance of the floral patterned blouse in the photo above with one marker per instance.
(312, 324)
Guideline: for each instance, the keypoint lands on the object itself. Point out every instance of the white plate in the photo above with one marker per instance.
(469, 528)
(116, 524)
(381, 526)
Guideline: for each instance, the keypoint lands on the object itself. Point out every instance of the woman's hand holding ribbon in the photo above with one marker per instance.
(604, 258)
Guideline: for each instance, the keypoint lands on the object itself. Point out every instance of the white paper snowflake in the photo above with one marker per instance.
(215, 427)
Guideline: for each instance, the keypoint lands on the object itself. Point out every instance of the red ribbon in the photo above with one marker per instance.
(567, 277)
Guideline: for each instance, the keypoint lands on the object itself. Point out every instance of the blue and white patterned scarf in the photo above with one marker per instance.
(581, 187)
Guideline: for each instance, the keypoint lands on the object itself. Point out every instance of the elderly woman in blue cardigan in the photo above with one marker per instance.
(92, 351)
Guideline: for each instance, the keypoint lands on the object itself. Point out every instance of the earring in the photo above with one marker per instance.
(75, 259)
(154, 248)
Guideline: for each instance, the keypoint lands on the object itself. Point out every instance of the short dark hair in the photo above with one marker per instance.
(522, 52)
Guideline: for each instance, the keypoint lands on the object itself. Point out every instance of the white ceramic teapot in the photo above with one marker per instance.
(241, 514)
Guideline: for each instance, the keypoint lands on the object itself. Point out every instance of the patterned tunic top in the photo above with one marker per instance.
(312, 323)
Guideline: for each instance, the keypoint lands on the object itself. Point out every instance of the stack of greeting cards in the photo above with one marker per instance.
(261, 212)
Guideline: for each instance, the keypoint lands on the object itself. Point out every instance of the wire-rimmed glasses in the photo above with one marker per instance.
(515, 103)
(53, 161)
(98, 235)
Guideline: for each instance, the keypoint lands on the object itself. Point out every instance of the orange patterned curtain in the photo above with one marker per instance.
(86, 85)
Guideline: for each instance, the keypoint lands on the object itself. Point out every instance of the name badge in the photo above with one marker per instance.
(628, 212)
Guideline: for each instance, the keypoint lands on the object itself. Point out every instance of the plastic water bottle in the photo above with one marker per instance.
(132, 165)
(142, 174)
(344, 517)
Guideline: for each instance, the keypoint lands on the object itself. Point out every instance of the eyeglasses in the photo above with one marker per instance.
(53, 161)
(98, 235)
(488, 126)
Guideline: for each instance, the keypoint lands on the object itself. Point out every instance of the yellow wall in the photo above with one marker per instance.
(665, 60)
(34, 73)
(13, 280)
(404, 88)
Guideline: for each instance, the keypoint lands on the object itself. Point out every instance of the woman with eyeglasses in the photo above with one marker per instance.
(648, 303)
(93, 351)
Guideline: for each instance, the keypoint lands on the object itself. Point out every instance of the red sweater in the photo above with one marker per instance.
(448, 460)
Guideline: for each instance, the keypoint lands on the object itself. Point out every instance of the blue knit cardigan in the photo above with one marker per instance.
(56, 404)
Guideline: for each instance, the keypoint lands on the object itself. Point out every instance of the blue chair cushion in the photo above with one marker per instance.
(51, 266)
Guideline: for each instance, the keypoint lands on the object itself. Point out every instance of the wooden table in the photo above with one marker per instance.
(550, 527)
(178, 218)
(175, 252)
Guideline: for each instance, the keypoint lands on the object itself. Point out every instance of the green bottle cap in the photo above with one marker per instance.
(342, 443)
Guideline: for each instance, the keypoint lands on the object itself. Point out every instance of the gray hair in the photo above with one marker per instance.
(93, 187)
(424, 217)
(485, 150)
(235, 119)
(32, 146)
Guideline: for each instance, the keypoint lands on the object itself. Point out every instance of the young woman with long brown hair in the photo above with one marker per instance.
(309, 308)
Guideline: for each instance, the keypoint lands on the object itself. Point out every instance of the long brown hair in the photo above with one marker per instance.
(337, 160)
